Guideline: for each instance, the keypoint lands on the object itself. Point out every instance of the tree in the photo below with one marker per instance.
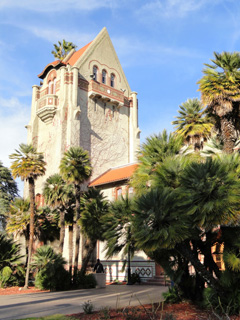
(119, 235)
(18, 221)
(18, 218)
(153, 152)
(62, 49)
(220, 91)
(8, 190)
(184, 216)
(75, 168)
(56, 194)
(192, 125)
(94, 207)
(28, 164)
(11, 272)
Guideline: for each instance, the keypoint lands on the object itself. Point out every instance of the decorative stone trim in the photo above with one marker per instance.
(46, 107)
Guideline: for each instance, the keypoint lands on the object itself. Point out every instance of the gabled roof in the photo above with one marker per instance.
(74, 58)
(114, 175)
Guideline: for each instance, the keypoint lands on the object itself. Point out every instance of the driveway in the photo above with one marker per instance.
(67, 302)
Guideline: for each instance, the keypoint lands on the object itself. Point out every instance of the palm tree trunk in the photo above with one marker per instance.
(199, 267)
(227, 129)
(89, 249)
(70, 247)
(32, 215)
(62, 231)
(77, 229)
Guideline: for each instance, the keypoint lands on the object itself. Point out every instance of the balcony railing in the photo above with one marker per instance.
(101, 91)
(46, 107)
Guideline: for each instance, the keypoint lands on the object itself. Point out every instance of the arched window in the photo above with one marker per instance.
(104, 76)
(95, 73)
(112, 80)
(118, 193)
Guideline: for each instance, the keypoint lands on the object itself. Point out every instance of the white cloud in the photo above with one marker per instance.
(56, 5)
(52, 35)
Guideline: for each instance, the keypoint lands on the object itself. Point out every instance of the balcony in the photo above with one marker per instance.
(97, 90)
(47, 107)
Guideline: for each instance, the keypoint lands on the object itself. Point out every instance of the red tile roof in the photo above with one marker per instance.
(114, 174)
(74, 58)
(53, 64)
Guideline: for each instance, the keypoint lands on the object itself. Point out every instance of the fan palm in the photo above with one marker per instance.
(119, 230)
(75, 168)
(28, 164)
(212, 189)
(56, 194)
(152, 153)
(93, 207)
(220, 90)
(18, 221)
(191, 124)
(18, 218)
(62, 49)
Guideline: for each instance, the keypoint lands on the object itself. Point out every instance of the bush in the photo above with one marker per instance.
(11, 272)
(51, 274)
(85, 281)
(88, 307)
(172, 296)
(226, 304)
(135, 278)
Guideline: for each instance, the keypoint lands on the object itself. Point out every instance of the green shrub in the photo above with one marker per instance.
(226, 304)
(11, 272)
(51, 274)
(88, 307)
(85, 281)
(135, 278)
(172, 296)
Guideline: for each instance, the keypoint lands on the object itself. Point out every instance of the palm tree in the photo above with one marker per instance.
(18, 221)
(28, 164)
(191, 125)
(75, 168)
(18, 218)
(93, 208)
(220, 90)
(153, 152)
(62, 49)
(119, 234)
(56, 194)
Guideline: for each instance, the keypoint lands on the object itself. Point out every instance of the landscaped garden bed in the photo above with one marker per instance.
(180, 311)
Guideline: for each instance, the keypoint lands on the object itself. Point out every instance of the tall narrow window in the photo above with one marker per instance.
(104, 76)
(50, 87)
(95, 73)
(119, 193)
(54, 86)
(112, 80)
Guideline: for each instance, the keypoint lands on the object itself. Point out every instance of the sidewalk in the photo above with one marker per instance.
(68, 302)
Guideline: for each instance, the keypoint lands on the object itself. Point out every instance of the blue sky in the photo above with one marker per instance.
(162, 46)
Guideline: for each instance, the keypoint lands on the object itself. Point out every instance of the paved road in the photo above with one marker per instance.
(67, 302)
